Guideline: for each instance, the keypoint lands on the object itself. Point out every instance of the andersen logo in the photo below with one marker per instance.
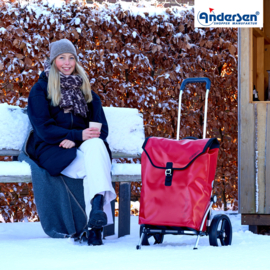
(210, 18)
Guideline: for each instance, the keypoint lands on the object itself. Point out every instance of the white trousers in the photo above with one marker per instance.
(93, 164)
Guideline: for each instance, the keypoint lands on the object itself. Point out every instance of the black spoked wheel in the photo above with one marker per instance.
(158, 237)
(220, 231)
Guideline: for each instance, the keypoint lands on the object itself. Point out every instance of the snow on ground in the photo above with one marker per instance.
(25, 246)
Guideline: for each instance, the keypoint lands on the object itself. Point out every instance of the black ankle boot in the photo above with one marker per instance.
(98, 218)
(94, 237)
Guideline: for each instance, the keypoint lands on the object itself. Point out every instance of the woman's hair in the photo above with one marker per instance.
(54, 92)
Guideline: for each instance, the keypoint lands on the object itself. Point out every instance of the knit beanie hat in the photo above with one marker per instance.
(62, 46)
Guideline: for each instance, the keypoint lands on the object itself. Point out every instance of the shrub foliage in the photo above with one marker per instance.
(135, 60)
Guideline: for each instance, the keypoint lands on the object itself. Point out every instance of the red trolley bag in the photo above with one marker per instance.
(177, 179)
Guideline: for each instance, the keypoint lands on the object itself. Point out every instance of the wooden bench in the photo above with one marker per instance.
(129, 120)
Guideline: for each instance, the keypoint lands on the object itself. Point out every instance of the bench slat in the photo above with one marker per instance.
(27, 178)
(15, 178)
(126, 178)
(10, 152)
(124, 155)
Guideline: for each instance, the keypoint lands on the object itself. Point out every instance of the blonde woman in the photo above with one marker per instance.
(60, 107)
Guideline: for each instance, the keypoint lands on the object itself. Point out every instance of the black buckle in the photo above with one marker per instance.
(169, 174)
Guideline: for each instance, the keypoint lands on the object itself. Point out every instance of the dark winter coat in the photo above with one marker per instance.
(51, 126)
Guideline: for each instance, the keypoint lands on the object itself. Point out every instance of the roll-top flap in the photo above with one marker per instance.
(181, 153)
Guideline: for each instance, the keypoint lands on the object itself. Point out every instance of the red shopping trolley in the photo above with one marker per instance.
(177, 183)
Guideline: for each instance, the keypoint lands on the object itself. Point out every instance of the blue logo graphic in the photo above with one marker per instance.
(208, 19)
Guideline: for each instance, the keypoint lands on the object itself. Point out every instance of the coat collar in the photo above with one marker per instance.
(43, 77)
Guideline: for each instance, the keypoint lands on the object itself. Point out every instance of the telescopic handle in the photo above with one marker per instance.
(196, 80)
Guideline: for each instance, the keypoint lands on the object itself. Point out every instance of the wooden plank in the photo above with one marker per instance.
(254, 63)
(261, 129)
(125, 155)
(246, 125)
(267, 162)
(27, 178)
(258, 220)
(266, 102)
(124, 209)
(9, 152)
(266, 24)
(260, 67)
(12, 152)
(259, 33)
(15, 178)
(267, 65)
(126, 178)
(239, 119)
(110, 229)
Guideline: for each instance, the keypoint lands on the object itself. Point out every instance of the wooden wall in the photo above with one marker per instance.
(254, 136)
(266, 46)
(266, 64)
(261, 53)
(246, 128)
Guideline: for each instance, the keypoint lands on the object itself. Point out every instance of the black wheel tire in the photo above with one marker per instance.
(220, 229)
(145, 241)
(157, 236)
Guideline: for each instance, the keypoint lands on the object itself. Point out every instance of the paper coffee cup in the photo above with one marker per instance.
(95, 125)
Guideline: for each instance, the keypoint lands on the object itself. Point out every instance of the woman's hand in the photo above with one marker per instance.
(90, 133)
(67, 144)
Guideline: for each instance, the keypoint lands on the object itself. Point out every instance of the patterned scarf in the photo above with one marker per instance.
(72, 98)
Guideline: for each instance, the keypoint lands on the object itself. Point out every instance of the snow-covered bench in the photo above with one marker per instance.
(125, 139)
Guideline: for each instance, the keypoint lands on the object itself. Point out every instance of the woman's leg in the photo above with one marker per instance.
(93, 164)
(76, 168)
(98, 175)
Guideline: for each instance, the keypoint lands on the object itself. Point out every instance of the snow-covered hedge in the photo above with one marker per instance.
(136, 56)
